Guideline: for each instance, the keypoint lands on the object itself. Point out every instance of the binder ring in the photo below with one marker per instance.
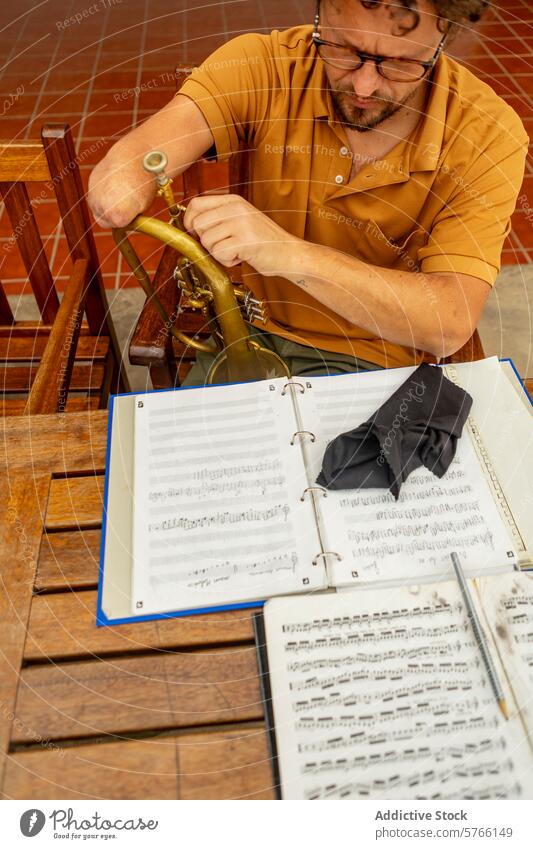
(293, 383)
(298, 432)
(325, 554)
(320, 488)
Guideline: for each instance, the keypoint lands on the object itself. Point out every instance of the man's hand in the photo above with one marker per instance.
(233, 230)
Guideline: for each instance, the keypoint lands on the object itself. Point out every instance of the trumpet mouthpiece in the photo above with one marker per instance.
(155, 162)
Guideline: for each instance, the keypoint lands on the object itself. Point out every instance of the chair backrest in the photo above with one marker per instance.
(51, 161)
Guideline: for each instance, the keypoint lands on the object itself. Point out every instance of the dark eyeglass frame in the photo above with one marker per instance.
(363, 57)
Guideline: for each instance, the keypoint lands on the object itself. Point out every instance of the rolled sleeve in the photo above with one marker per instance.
(213, 107)
(232, 89)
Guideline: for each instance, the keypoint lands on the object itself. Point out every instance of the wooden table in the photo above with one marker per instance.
(165, 710)
(158, 710)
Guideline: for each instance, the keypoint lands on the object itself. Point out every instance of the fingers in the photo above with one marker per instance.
(211, 237)
(227, 253)
(222, 245)
(208, 210)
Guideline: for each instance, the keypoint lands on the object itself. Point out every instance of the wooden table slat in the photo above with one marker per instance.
(55, 444)
(22, 504)
(134, 694)
(62, 625)
(75, 502)
(68, 560)
(224, 764)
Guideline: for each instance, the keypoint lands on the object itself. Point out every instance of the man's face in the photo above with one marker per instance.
(362, 98)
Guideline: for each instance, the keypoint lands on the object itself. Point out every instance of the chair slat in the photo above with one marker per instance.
(24, 349)
(6, 313)
(23, 161)
(239, 173)
(50, 387)
(61, 156)
(19, 209)
(20, 378)
(23, 329)
(78, 404)
(66, 177)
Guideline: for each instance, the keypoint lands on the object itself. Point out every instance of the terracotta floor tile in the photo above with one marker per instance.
(154, 99)
(47, 218)
(115, 79)
(61, 79)
(108, 100)
(105, 125)
(11, 265)
(64, 103)
(21, 288)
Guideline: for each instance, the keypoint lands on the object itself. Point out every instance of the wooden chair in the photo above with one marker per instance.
(94, 361)
(152, 345)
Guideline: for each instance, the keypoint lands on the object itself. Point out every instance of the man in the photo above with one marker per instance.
(384, 176)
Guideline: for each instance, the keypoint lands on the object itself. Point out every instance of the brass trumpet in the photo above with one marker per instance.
(226, 306)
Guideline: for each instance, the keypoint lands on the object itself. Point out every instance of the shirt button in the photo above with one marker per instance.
(344, 151)
(339, 179)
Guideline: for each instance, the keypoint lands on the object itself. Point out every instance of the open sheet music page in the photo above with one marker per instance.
(380, 539)
(218, 514)
(383, 694)
(507, 601)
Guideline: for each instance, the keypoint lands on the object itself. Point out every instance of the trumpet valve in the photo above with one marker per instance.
(255, 309)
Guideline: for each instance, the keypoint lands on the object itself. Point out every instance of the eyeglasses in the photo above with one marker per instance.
(351, 59)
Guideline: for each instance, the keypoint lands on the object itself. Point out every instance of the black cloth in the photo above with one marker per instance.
(419, 425)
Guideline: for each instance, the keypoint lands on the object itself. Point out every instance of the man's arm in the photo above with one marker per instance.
(120, 188)
(437, 313)
(434, 312)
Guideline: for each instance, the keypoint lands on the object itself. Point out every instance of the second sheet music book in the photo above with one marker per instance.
(211, 501)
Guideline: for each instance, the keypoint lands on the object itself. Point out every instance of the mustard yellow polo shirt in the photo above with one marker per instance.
(440, 201)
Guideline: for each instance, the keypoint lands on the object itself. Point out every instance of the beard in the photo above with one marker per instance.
(363, 120)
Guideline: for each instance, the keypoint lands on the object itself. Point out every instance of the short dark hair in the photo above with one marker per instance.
(451, 14)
